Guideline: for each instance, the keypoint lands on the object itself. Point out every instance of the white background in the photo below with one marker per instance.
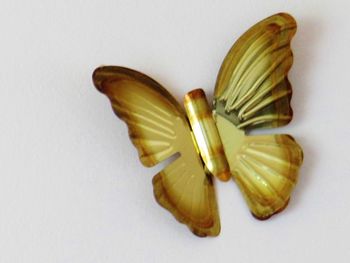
(71, 186)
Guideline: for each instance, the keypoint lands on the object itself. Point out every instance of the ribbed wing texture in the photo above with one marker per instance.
(158, 129)
(253, 91)
(265, 167)
(252, 88)
(266, 170)
(185, 190)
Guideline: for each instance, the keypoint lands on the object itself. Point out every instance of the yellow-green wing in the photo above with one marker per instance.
(253, 91)
(252, 88)
(159, 129)
(265, 167)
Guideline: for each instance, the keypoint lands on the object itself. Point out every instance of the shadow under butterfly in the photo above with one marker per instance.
(252, 92)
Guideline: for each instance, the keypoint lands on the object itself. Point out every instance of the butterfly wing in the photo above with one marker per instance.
(159, 129)
(252, 88)
(265, 167)
(253, 91)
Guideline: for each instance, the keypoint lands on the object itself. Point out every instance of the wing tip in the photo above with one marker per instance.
(263, 217)
(100, 75)
(286, 17)
(97, 77)
(161, 198)
(298, 149)
(104, 73)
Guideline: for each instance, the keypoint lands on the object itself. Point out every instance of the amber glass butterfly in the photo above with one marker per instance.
(252, 92)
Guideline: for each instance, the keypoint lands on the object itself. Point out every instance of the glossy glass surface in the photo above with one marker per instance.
(159, 129)
(265, 167)
(252, 88)
(206, 134)
(252, 91)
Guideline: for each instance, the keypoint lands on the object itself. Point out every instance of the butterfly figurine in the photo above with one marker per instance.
(252, 92)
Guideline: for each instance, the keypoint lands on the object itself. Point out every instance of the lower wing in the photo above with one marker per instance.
(265, 167)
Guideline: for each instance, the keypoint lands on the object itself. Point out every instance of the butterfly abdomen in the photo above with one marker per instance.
(206, 134)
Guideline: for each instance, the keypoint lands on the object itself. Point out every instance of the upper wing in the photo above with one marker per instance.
(158, 128)
(252, 88)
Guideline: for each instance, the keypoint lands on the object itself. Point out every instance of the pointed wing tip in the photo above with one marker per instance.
(212, 233)
(280, 22)
(99, 76)
(298, 149)
(286, 16)
(162, 199)
(104, 73)
(263, 217)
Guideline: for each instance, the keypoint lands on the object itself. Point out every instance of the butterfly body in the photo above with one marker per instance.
(252, 92)
(206, 134)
